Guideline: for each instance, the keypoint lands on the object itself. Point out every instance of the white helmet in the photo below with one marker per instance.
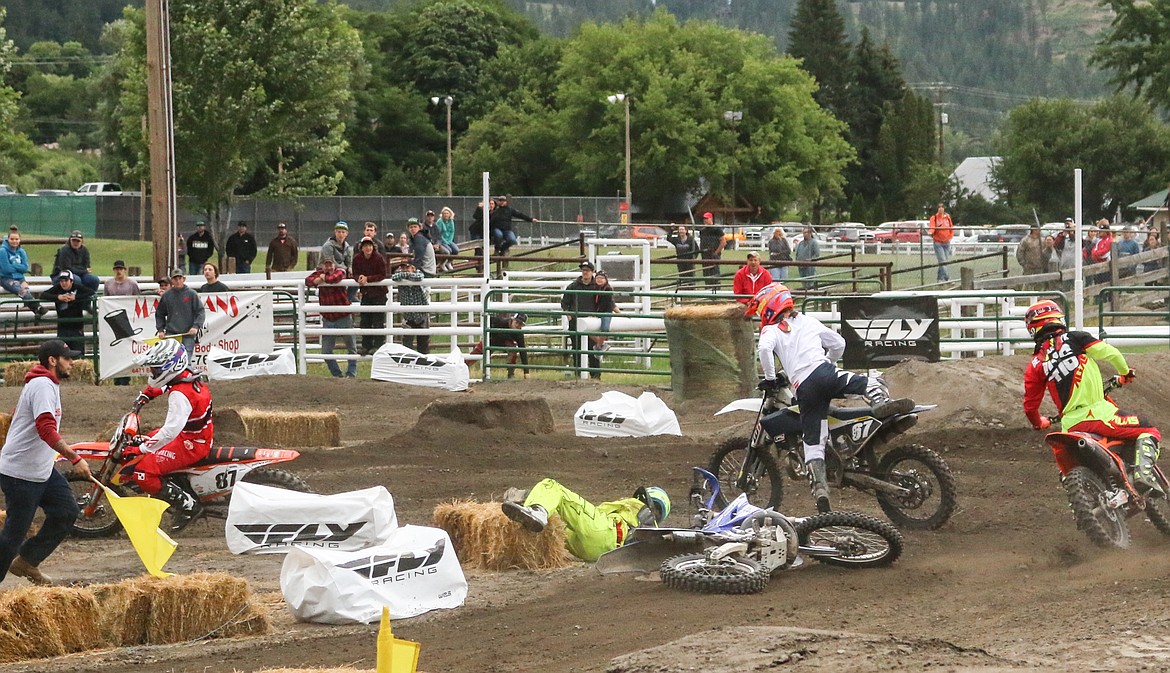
(167, 359)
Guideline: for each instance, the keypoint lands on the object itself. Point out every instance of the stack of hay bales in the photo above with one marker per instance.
(281, 428)
(712, 351)
(484, 538)
(40, 622)
(82, 372)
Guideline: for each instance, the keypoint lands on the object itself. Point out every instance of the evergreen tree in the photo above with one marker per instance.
(817, 37)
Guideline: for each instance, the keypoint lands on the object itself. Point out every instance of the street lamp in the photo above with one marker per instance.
(620, 98)
(446, 100)
(733, 117)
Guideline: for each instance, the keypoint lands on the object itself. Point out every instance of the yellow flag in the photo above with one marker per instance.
(394, 655)
(140, 517)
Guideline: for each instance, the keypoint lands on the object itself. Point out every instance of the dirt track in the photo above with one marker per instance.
(1007, 584)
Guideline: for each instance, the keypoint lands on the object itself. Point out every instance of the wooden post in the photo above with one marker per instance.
(161, 149)
(966, 278)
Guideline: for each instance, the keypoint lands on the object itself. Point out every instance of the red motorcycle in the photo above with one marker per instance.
(211, 480)
(1097, 474)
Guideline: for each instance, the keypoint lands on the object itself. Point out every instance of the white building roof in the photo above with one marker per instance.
(974, 176)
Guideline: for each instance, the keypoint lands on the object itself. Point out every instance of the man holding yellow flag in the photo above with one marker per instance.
(27, 476)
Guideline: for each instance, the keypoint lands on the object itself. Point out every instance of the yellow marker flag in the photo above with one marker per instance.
(141, 517)
(394, 655)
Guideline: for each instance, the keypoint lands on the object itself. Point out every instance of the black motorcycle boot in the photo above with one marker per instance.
(819, 482)
(877, 395)
(1146, 454)
(184, 507)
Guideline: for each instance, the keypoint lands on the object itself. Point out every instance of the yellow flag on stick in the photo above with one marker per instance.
(394, 655)
(141, 517)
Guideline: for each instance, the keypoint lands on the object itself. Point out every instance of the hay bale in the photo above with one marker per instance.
(47, 622)
(125, 612)
(82, 372)
(484, 538)
(712, 352)
(530, 415)
(281, 428)
(203, 605)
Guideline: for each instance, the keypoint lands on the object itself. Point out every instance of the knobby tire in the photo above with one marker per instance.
(1103, 528)
(861, 541)
(732, 575)
(902, 510)
(725, 464)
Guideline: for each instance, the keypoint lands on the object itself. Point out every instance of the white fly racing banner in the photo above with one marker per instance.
(223, 365)
(237, 322)
(617, 414)
(267, 520)
(398, 364)
(415, 571)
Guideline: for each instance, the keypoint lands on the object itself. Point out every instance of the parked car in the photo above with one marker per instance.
(905, 231)
(5, 190)
(850, 232)
(52, 192)
(103, 188)
(1008, 233)
(756, 236)
(648, 232)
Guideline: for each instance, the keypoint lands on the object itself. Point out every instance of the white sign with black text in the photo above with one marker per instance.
(617, 414)
(398, 364)
(223, 365)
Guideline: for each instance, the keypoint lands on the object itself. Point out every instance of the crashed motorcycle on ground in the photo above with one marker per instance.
(737, 549)
(913, 484)
(211, 480)
(1098, 476)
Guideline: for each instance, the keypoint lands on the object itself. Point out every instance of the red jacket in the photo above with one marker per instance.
(374, 269)
(750, 283)
(1102, 247)
(330, 296)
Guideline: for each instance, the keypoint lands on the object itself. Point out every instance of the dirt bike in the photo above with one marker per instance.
(1097, 475)
(913, 484)
(211, 480)
(737, 549)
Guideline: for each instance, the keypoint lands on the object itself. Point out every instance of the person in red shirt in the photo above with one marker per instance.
(325, 278)
(941, 231)
(750, 279)
(369, 268)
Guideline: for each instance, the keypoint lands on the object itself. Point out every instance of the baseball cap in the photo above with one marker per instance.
(413, 220)
(282, 225)
(586, 265)
(177, 273)
(341, 224)
(365, 240)
(521, 318)
(76, 234)
(66, 273)
(200, 223)
(56, 348)
(1069, 220)
(708, 215)
(241, 223)
(502, 197)
(119, 264)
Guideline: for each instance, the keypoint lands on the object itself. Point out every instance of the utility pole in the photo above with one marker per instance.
(447, 100)
(162, 140)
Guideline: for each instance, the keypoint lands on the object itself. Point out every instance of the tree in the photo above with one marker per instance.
(877, 87)
(262, 93)
(817, 38)
(16, 152)
(1136, 48)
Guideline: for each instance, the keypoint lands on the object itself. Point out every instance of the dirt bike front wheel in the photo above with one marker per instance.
(731, 575)
(763, 482)
(1104, 526)
(101, 522)
(930, 500)
(849, 539)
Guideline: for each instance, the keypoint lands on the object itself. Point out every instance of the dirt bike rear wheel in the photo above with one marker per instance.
(1103, 526)
(731, 575)
(271, 476)
(1158, 512)
(931, 484)
(765, 489)
(104, 522)
(849, 540)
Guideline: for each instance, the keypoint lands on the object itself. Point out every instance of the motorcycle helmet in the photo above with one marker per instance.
(753, 306)
(657, 501)
(1043, 318)
(167, 360)
(775, 304)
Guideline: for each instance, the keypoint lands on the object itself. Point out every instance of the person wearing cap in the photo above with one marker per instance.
(750, 279)
(500, 222)
(941, 229)
(422, 251)
(282, 251)
(412, 293)
(369, 268)
(72, 300)
(1102, 247)
(581, 297)
(341, 251)
(1066, 246)
(74, 256)
(325, 279)
(711, 242)
(241, 246)
(1030, 252)
(200, 248)
(121, 285)
(180, 311)
(13, 266)
(28, 476)
(507, 331)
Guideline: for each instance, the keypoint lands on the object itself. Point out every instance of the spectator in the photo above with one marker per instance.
(581, 297)
(74, 256)
(1066, 246)
(607, 305)
(338, 249)
(72, 300)
(1051, 257)
(500, 222)
(422, 251)
(370, 267)
(403, 245)
(200, 248)
(1151, 244)
(445, 226)
(1125, 247)
(808, 250)
(180, 312)
(711, 244)
(475, 227)
(779, 250)
(507, 331)
(164, 284)
(686, 246)
(13, 266)
(325, 279)
(412, 293)
(427, 226)
(370, 231)
(241, 246)
(1030, 252)
(942, 230)
(213, 284)
(121, 285)
(750, 279)
(282, 251)
(1102, 246)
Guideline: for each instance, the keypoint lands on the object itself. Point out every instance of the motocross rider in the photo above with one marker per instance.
(801, 342)
(186, 435)
(1065, 363)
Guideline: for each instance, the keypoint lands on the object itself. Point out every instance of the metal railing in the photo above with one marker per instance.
(1134, 335)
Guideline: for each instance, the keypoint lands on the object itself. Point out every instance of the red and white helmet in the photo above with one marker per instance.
(771, 303)
(1044, 314)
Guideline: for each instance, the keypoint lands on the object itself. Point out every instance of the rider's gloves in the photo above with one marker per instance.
(1126, 379)
(1044, 423)
(769, 385)
(141, 400)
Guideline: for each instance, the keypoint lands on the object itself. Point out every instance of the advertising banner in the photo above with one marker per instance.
(398, 364)
(237, 322)
(617, 414)
(223, 365)
(881, 332)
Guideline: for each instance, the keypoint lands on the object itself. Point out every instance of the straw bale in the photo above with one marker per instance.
(723, 311)
(525, 415)
(48, 621)
(125, 612)
(201, 605)
(14, 372)
(712, 352)
(484, 538)
(282, 428)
